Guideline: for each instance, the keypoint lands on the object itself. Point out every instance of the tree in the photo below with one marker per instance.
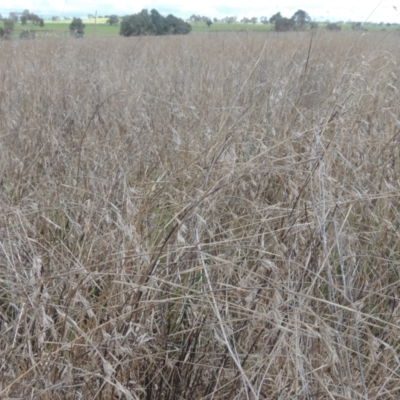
(143, 23)
(314, 26)
(34, 18)
(331, 26)
(177, 26)
(194, 18)
(8, 26)
(275, 18)
(113, 20)
(264, 20)
(254, 20)
(77, 27)
(284, 24)
(27, 16)
(137, 25)
(356, 26)
(13, 16)
(159, 22)
(300, 18)
(209, 22)
(230, 20)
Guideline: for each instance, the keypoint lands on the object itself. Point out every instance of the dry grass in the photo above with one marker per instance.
(201, 217)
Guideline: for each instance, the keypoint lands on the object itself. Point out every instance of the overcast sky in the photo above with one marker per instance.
(361, 10)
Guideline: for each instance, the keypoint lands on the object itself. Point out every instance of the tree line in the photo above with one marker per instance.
(153, 23)
(140, 24)
(297, 21)
(143, 23)
(24, 17)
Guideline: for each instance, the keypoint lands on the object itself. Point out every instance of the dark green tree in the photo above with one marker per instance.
(159, 22)
(284, 24)
(209, 22)
(137, 25)
(113, 20)
(331, 26)
(300, 18)
(143, 23)
(177, 26)
(34, 18)
(77, 27)
(275, 18)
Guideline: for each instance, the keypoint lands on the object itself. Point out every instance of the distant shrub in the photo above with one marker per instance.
(27, 35)
(77, 27)
(113, 20)
(8, 26)
(333, 27)
(356, 26)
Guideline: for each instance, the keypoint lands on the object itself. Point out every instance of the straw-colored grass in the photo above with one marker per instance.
(200, 217)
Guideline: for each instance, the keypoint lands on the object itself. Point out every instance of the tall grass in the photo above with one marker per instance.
(201, 217)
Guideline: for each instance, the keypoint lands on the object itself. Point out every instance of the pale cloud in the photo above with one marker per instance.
(373, 10)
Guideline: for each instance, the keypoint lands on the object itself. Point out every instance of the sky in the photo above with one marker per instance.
(338, 10)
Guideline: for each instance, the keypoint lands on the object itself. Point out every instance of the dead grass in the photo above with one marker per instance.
(201, 217)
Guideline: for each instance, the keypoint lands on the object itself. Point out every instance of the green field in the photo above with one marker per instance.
(60, 28)
(101, 28)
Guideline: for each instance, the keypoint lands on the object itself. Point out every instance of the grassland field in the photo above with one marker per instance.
(200, 217)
